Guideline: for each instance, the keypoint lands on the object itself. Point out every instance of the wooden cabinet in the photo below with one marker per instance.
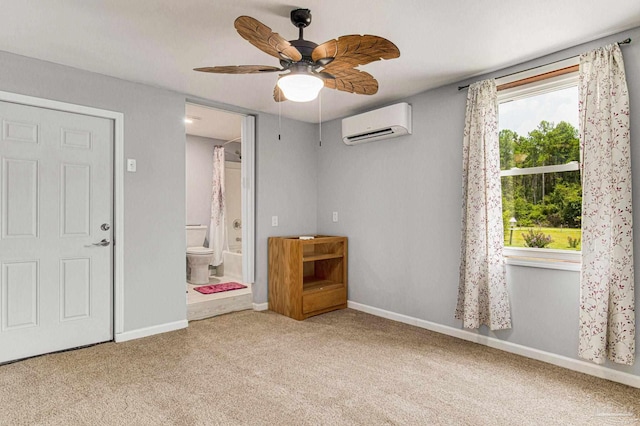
(307, 277)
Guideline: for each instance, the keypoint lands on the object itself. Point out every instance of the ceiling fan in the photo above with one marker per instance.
(308, 66)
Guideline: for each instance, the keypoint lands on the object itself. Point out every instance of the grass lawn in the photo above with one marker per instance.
(559, 236)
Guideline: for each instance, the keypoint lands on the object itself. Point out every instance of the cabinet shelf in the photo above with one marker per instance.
(314, 257)
(307, 277)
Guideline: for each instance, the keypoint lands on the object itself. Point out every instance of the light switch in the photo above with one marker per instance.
(131, 165)
(274, 220)
(335, 216)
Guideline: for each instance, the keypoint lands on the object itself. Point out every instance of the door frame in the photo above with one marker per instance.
(248, 185)
(248, 182)
(118, 188)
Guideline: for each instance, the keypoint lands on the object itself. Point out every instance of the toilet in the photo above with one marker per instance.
(198, 257)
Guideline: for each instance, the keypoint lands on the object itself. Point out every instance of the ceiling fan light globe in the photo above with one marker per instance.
(300, 87)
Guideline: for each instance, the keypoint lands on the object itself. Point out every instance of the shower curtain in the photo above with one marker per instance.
(217, 227)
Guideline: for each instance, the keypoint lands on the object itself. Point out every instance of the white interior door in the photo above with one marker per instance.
(56, 203)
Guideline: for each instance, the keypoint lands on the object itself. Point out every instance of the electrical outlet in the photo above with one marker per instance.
(335, 216)
(274, 220)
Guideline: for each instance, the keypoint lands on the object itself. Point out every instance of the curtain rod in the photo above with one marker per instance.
(620, 43)
(232, 140)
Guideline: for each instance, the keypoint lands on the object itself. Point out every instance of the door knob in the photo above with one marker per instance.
(102, 243)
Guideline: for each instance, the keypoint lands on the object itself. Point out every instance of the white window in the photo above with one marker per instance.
(540, 177)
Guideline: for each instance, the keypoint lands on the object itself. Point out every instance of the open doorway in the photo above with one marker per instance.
(219, 211)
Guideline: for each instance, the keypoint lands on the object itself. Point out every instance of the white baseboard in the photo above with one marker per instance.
(150, 331)
(548, 357)
(261, 306)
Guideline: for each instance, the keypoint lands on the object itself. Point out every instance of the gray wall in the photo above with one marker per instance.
(286, 182)
(154, 205)
(404, 249)
(399, 203)
(154, 260)
(286, 179)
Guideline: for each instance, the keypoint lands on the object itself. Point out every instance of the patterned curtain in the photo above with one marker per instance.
(482, 292)
(217, 228)
(607, 321)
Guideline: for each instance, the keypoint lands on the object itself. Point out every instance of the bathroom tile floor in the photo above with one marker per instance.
(200, 306)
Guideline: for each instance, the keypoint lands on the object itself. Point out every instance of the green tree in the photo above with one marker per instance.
(550, 199)
(508, 140)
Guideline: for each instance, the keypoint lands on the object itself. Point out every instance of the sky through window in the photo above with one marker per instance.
(524, 115)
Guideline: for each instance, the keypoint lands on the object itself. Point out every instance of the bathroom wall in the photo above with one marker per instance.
(199, 172)
(233, 196)
(232, 152)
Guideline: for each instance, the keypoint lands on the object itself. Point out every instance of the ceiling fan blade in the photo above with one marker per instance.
(239, 69)
(325, 75)
(352, 50)
(352, 81)
(261, 36)
(278, 95)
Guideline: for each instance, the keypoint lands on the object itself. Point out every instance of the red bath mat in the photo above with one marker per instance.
(217, 288)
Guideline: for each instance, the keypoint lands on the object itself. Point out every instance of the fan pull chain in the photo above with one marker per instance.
(279, 115)
(320, 115)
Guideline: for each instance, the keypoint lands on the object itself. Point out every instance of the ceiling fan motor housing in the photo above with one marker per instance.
(305, 47)
(301, 68)
(301, 18)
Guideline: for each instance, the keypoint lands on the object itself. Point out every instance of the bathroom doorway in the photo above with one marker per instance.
(219, 210)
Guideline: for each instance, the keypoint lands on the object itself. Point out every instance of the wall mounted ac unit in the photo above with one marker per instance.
(383, 123)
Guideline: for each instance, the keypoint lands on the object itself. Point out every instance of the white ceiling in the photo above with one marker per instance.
(158, 42)
(212, 123)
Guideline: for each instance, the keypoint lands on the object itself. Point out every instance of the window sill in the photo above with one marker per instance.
(543, 258)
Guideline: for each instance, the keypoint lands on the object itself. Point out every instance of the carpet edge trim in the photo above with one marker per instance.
(150, 331)
(514, 348)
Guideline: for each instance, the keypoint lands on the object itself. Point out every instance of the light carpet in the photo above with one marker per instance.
(344, 367)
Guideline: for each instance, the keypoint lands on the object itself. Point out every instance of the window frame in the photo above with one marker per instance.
(568, 260)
